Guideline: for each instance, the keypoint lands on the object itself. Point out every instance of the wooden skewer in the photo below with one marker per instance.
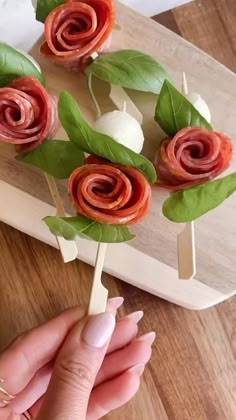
(186, 238)
(68, 249)
(119, 96)
(184, 84)
(99, 294)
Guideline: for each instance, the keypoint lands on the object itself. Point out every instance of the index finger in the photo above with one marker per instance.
(20, 361)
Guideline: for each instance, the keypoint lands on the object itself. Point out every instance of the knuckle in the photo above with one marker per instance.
(75, 374)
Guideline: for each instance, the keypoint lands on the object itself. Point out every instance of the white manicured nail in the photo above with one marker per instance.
(99, 329)
(138, 369)
(135, 316)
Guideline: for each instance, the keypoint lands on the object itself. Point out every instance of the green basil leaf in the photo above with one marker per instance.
(90, 141)
(6, 79)
(13, 64)
(174, 111)
(188, 205)
(44, 8)
(129, 68)
(70, 227)
(56, 157)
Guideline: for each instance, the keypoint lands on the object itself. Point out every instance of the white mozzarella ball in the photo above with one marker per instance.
(34, 3)
(123, 128)
(200, 105)
(33, 61)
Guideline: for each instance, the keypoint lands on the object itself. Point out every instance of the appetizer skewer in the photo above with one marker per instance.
(187, 161)
(68, 249)
(186, 239)
(28, 117)
(99, 294)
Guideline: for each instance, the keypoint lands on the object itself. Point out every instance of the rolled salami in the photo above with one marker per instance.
(111, 194)
(195, 155)
(28, 114)
(76, 29)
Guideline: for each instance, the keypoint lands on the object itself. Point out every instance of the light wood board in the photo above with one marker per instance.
(156, 237)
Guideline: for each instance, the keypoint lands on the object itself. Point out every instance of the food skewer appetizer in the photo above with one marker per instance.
(186, 247)
(28, 115)
(186, 239)
(110, 192)
(186, 162)
(123, 128)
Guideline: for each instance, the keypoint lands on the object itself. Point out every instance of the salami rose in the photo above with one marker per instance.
(112, 194)
(28, 114)
(76, 29)
(194, 156)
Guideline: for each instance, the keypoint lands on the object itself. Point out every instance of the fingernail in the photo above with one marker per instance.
(99, 329)
(135, 316)
(116, 302)
(148, 338)
(138, 369)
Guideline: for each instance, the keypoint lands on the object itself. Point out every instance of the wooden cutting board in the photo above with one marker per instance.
(150, 261)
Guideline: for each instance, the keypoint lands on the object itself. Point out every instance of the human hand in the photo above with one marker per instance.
(73, 367)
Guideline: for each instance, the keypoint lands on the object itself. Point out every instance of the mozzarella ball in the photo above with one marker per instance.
(123, 128)
(34, 3)
(200, 105)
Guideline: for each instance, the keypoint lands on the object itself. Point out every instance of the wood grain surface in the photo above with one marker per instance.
(192, 372)
(155, 236)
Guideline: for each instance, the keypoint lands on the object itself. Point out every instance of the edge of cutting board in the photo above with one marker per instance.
(25, 213)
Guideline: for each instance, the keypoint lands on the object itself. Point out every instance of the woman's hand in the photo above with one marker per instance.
(74, 367)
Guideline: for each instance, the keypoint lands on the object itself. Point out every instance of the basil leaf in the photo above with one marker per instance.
(188, 205)
(129, 68)
(174, 111)
(6, 79)
(44, 8)
(13, 64)
(56, 157)
(90, 141)
(70, 227)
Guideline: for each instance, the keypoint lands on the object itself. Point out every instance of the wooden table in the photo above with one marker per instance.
(193, 369)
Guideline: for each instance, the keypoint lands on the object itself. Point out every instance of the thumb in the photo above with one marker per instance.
(76, 368)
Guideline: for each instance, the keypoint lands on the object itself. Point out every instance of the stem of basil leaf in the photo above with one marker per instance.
(89, 80)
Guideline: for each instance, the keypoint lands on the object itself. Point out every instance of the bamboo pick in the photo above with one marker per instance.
(99, 294)
(186, 238)
(68, 249)
(119, 96)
